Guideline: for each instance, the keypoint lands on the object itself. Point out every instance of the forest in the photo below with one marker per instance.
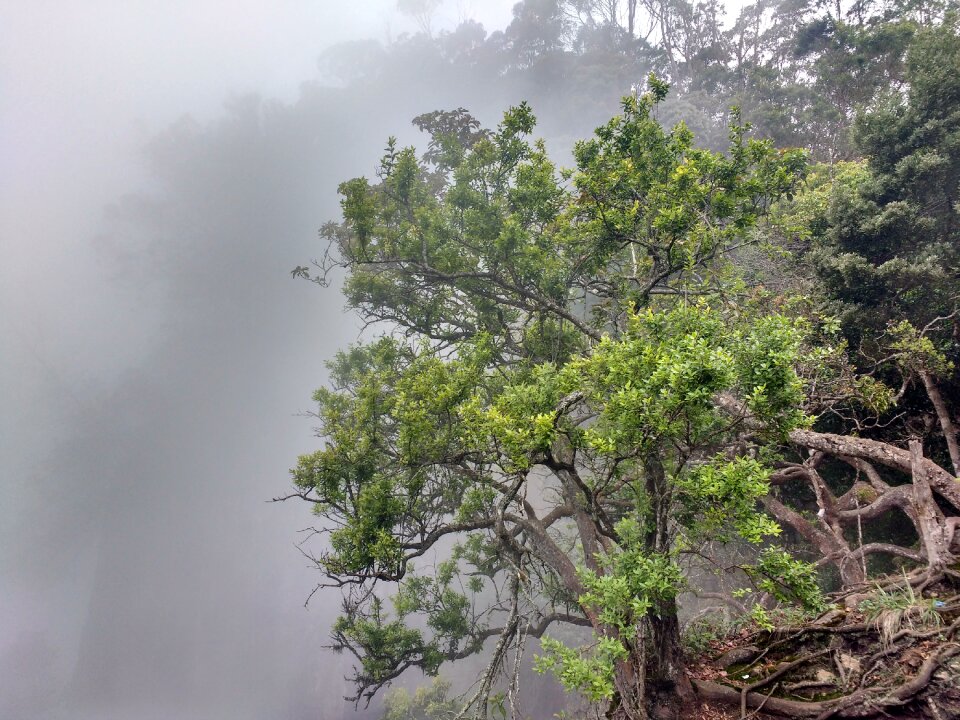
(669, 411)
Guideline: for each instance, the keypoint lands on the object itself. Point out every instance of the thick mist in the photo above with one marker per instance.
(164, 169)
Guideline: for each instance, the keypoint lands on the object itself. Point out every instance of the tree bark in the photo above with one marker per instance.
(667, 687)
(843, 446)
(946, 422)
(629, 680)
(932, 524)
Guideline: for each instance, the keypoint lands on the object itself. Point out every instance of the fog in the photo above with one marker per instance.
(164, 167)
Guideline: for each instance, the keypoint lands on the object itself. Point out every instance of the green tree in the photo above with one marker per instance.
(426, 703)
(567, 401)
(887, 249)
(880, 236)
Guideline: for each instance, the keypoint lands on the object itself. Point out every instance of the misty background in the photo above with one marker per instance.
(164, 167)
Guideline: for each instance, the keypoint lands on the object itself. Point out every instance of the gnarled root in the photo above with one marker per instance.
(859, 704)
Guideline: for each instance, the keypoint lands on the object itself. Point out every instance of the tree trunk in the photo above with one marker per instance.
(932, 524)
(650, 683)
(946, 423)
(629, 680)
(918, 500)
(666, 686)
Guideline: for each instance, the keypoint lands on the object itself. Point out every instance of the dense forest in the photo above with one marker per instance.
(670, 409)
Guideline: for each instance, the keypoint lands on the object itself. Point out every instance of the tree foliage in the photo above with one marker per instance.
(547, 399)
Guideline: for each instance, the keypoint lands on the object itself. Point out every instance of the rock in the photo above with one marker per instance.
(850, 664)
(825, 676)
(851, 602)
(831, 617)
(737, 655)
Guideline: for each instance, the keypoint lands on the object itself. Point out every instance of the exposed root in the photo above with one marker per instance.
(779, 672)
(862, 705)
(716, 692)
(861, 668)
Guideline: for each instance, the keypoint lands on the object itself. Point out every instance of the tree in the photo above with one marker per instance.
(561, 402)
(883, 242)
(538, 30)
(889, 247)
(427, 703)
(421, 11)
